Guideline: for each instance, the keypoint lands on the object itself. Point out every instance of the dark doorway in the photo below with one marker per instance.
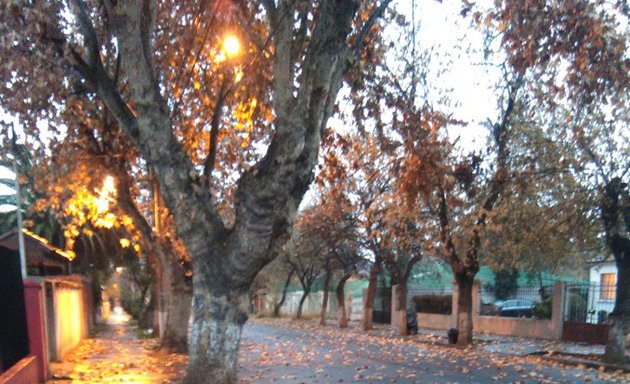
(13, 331)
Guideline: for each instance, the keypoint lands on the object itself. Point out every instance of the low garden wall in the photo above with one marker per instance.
(494, 325)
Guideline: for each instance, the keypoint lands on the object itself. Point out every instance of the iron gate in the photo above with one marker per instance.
(586, 310)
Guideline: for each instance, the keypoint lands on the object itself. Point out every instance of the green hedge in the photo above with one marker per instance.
(442, 305)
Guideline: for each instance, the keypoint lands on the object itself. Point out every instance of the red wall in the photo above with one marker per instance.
(24, 371)
(34, 367)
(35, 319)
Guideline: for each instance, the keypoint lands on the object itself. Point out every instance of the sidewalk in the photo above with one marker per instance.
(116, 355)
(565, 352)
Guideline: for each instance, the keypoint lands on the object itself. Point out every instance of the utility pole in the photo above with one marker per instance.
(18, 207)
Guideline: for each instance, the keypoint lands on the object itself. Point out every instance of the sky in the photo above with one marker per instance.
(455, 68)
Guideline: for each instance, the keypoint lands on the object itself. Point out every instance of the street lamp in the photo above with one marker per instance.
(231, 45)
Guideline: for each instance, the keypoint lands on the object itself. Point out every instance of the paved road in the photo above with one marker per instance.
(289, 354)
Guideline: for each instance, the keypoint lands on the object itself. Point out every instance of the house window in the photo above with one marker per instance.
(608, 286)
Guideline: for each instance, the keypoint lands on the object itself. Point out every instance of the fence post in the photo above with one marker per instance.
(557, 310)
(476, 298)
(395, 321)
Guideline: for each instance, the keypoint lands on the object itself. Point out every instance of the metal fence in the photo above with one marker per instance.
(431, 300)
(589, 303)
(530, 302)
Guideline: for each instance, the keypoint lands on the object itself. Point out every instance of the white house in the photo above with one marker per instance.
(601, 297)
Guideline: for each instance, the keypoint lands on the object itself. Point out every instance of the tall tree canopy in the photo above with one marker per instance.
(159, 71)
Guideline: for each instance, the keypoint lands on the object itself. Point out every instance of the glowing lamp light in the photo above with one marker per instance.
(231, 45)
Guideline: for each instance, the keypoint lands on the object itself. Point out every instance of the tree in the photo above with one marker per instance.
(581, 53)
(275, 280)
(306, 76)
(110, 158)
(505, 283)
(44, 223)
(332, 221)
(405, 239)
(303, 255)
(357, 168)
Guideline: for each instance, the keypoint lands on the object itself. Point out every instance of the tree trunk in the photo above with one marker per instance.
(216, 334)
(178, 301)
(146, 318)
(464, 309)
(341, 303)
(279, 304)
(156, 288)
(174, 294)
(402, 306)
(324, 311)
(298, 315)
(615, 211)
(619, 319)
(368, 309)
(616, 343)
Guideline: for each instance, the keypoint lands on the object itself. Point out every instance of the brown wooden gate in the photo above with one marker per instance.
(586, 309)
(582, 332)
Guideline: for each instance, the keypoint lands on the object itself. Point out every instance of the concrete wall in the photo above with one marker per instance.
(312, 305)
(494, 325)
(434, 321)
(69, 313)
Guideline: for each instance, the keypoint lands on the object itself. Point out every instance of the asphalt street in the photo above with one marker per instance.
(280, 354)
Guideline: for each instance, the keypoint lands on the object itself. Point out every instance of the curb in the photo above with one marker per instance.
(582, 362)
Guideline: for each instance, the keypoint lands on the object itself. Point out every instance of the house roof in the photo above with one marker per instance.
(38, 251)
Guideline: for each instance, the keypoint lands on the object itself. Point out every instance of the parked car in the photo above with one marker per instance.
(516, 308)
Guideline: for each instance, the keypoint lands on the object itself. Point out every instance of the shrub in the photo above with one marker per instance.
(132, 304)
(542, 310)
(434, 304)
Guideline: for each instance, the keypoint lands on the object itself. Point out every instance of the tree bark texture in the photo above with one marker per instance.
(298, 314)
(615, 216)
(368, 310)
(464, 309)
(216, 334)
(304, 88)
(174, 286)
(342, 315)
(178, 297)
(619, 318)
(402, 306)
(283, 298)
(324, 310)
